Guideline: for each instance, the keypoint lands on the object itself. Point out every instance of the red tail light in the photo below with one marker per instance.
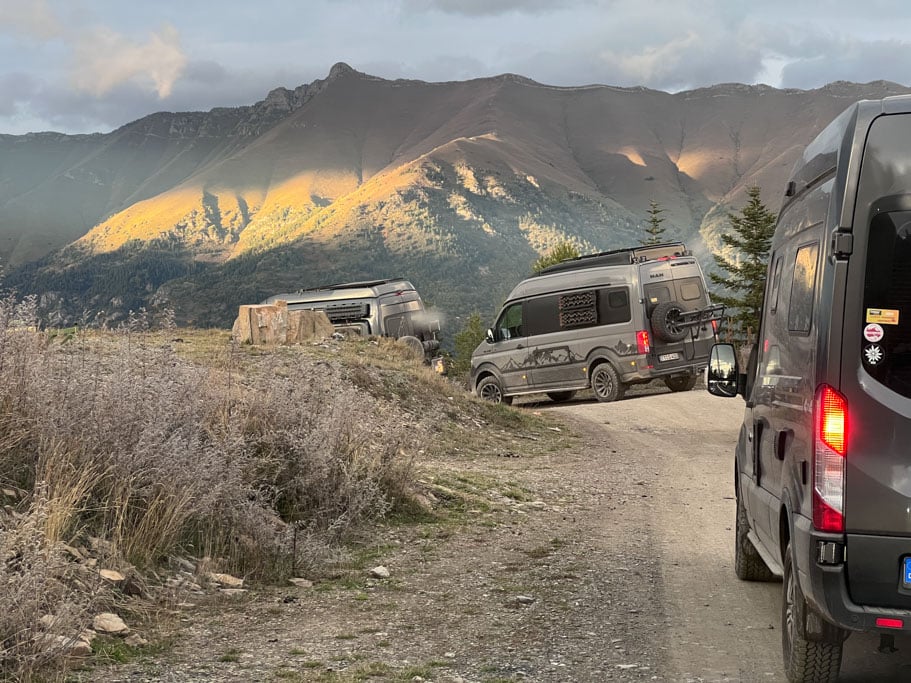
(830, 440)
(714, 326)
(642, 343)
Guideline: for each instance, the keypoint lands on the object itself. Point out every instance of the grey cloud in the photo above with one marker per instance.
(852, 61)
(33, 17)
(491, 7)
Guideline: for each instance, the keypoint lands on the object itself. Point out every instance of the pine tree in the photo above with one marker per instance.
(561, 252)
(465, 342)
(654, 229)
(744, 283)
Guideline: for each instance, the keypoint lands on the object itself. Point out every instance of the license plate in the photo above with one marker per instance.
(906, 572)
(664, 357)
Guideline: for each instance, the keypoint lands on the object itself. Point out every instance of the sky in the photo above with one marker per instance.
(81, 66)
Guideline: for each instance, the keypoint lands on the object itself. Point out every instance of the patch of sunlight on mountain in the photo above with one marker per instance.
(695, 164)
(144, 220)
(632, 155)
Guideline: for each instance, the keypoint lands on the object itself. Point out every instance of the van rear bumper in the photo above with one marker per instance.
(825, 586)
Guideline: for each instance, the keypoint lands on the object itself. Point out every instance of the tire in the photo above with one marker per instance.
(805, 661)
(489, 389)
(748, 564)
(560, 396)
(680, 382)
(414, 345)
(606, 383)
(664, 322)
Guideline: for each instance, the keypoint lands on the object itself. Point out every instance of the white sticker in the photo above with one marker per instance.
(873, 354)
(873, 332)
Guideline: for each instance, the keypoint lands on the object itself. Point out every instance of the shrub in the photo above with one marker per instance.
(260, 463)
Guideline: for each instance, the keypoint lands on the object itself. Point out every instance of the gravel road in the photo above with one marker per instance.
(615, 565)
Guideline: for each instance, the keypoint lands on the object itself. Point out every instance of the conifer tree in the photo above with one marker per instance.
(654, 230)
(744, 283)
(561, 252)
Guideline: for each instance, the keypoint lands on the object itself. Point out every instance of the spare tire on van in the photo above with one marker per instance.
(664, 320)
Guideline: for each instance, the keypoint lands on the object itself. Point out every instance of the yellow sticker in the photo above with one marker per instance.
(883, 316)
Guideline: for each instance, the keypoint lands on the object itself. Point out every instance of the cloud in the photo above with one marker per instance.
(856, 61)
(489, 7)
(104, 59)
(34, 18)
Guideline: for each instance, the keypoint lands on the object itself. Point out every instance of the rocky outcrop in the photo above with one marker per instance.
(275, 324)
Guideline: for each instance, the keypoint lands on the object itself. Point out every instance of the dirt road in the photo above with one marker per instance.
(718, 627)
(610, 559)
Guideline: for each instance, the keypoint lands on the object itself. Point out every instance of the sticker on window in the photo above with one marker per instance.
(883, 316)
(873, 354)
(873, 332)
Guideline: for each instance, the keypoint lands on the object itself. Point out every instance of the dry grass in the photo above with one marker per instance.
(262, 462)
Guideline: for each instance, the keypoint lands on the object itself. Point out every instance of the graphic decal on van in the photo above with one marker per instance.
(873, 354)
(883, 316)
(873, 332)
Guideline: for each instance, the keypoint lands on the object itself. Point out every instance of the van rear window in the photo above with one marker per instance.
(887, 301)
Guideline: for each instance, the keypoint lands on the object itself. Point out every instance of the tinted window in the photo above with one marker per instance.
(803, 288)
(577, 310)
(887, 301)
(776, 282)
(613, 306)
(690, 289)
(542, 315)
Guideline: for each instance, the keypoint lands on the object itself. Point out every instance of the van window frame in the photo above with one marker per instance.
(811, 298)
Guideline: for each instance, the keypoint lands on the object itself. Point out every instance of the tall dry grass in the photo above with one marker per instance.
(109, 433)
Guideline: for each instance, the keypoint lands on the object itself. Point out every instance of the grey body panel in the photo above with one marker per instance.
(576, 318)
(832, 275)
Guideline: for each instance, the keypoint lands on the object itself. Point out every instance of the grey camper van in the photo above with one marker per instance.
(822, 466)
(604, 321)
(386, 308)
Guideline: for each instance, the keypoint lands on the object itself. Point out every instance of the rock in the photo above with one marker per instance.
(524, 599)
(380, 572)
(301, 583)
(112, 576)
(88, 635)
(108, 622)
(185, 564)
(225, 580)
(71, 647)
(9, 493)
(47, 621)
(73, 552)
(135, 640)
(233, 592)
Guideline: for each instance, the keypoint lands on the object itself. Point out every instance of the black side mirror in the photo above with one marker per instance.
(490, 338)
(723, 372)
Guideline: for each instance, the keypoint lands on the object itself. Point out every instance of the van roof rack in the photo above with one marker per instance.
(620, 257)
(351, 285)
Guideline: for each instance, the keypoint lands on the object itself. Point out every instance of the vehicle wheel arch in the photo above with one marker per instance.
(485, 371)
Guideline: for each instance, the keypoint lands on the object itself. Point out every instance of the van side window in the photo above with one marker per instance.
(542, 315)
(803, 289)
(776, 283)
(613, 305)
(510, 325)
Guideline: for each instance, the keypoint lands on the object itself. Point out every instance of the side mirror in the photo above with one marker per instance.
(723, 372)
(490, 338)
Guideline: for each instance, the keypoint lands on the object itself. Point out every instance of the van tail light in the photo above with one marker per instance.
(642, 343)
(830, 439)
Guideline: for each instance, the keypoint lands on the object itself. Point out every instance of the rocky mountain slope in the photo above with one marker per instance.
(458, 186)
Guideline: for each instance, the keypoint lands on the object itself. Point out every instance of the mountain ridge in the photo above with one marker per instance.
(455, 180)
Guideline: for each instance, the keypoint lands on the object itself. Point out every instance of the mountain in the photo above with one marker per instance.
(458, 186)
